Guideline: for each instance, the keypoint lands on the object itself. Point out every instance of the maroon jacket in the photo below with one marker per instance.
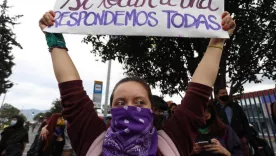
(85, 125)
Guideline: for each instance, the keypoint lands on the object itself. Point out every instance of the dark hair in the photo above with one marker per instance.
(20, 121)
(173, 104)
(218, 89)
(218, 128)
(51, 124)
(132, 79)
(159, 103)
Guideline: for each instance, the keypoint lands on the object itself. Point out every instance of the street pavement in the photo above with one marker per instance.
(31, 140)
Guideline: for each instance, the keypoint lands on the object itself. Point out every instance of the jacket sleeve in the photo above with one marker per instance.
(273, 113)
(245, 124)
(3, 142)
(39, 147)
(84, 125)
(233, 143)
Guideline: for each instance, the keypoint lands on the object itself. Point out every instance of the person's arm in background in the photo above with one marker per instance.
(44, 132)
(23, 147)
(273, 112)
(233, 143)
(248, 133)
(25, 141)
(246, 128)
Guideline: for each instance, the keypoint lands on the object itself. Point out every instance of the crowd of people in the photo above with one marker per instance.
(139, 124)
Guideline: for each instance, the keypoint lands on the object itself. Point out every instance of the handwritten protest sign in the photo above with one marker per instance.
(178, 18)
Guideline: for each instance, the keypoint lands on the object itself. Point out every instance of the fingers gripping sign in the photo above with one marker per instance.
(47, 20)
(228, 24)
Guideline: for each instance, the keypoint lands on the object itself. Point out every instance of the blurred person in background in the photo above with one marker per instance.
(159, 107)
(14, 138)
(232, 114)
(172, 109)
(220, 139)
(52, 138)
(108, 122)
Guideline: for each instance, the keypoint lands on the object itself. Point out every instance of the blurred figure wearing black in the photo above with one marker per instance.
(159, 106)
(34, 146)
(54, 142)
(172, 108)
(232, 114)
(108, 122)
(14, 137)
(261, 147)
(273, 112)
(27, 125)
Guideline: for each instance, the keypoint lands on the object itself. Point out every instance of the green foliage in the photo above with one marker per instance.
(168, 63)
(8, 111)
(38, 116)
(7, 42)
(57, 107)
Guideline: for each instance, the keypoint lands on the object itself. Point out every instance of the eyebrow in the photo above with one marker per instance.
(138, 97)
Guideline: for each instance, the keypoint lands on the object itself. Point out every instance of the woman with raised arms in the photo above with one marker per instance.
(132, 131)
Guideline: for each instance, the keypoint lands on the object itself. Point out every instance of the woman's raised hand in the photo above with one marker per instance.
(228, 24)
(48, 19)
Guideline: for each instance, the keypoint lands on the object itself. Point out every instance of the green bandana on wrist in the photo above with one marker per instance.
(55, 40)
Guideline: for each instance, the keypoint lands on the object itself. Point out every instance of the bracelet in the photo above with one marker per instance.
(55, 40)
(216, 47)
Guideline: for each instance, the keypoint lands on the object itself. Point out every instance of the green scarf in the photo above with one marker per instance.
(204, 130)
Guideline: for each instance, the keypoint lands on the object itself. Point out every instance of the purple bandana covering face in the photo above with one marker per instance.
(131, 133)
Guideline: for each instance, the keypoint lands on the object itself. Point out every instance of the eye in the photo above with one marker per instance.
(120, 103)
(140, 102)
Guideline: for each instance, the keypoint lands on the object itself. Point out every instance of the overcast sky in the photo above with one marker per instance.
(36, 86)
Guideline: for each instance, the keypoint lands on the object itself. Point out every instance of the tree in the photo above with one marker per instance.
(24, 117)
(169, 63)
(7, 112)
(7, 41)
(57, 107)
(38, 116)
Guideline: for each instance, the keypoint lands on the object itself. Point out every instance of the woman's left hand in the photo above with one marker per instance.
(217, 148)
(228, 24)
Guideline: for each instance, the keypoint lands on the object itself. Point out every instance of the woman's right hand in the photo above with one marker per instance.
(44, 133)
(48, 19)
(197, 148)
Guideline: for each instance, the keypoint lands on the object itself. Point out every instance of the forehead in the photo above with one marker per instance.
(130, 89)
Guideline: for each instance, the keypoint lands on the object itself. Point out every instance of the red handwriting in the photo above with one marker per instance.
(110, 3)
(79, 5)
(199, 4)
(107, 4)
(168, 3)
(141, 3)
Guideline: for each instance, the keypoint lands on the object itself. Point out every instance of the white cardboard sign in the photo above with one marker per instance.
(171, 18)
